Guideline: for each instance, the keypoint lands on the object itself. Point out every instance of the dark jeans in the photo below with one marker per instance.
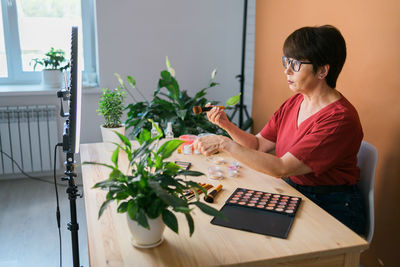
(346, 206)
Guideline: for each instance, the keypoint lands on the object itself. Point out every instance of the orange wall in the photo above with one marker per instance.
(370, 80)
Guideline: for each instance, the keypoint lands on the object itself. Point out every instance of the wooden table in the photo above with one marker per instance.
(315, 239)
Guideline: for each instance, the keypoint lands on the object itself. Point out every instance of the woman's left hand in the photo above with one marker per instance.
(211, 144)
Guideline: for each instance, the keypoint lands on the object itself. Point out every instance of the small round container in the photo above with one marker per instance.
(204, 134)
(215, 173)
(236, 164)
(188, 149)
(232, 171)
(216, 160)
(188, 138)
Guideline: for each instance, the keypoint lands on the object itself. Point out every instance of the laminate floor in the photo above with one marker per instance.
(28, 225)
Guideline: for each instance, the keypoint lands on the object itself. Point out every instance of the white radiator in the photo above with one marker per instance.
(28, 134)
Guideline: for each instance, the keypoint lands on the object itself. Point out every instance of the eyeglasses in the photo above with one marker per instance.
(295, 64)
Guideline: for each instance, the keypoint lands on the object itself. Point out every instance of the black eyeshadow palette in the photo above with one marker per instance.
(259, 212)
(278, 203)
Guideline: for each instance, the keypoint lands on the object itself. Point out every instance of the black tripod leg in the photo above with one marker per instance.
(73, 226)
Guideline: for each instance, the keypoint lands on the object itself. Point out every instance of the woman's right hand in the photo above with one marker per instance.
(218, 117)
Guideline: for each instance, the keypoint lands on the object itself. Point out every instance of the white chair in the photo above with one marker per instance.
(367, 160)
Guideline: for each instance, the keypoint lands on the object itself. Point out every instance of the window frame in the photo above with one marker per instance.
(16, 75)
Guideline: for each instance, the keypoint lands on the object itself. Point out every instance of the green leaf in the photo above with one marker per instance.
(110, 195)
(166, 76)
(142, 219)
(124, 140)
(131, 81)
(183, 210)
(115, 174)
(122, 195)
(171, 200)
(132, 209)
(233, 100)
(97, 163)
(171, 168)
(166, 150)
(170, 220)
(214, 72)
(114, 157)
(182, 114)
(103, 207)
(190, 223)
(144, 136)
(120, 80)
(208, 209)
(123, 207)
(190, 173)
(167, 63)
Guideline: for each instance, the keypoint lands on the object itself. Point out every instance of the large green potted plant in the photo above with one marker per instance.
(111, 107)
(153, 190)
(170, 104)
(53, 63)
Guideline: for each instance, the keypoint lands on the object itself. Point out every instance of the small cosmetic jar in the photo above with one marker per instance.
(215, 173)
(187, 150)
(232, 171)
(188, 138)
(236, 164)
(216, 160)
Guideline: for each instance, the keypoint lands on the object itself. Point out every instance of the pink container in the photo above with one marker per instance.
(188, 138)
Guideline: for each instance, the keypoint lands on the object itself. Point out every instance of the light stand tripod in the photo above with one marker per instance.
(72, 189)
(71, 137)
(72, 192)
(241, 107)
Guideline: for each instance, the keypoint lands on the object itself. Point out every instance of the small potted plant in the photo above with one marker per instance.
(152, 192)
(54, 63)
(111, 107)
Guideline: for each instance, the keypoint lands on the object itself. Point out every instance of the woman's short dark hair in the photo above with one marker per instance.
(320, 45)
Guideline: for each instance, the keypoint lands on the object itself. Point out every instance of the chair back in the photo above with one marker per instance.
(367, 160)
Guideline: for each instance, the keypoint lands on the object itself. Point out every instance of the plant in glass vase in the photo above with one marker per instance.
(153, 190)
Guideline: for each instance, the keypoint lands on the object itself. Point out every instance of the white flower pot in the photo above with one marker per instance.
(52, 79)
(110, 137)
(146, 238)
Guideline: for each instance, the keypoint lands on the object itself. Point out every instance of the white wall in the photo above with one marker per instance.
(135, 36)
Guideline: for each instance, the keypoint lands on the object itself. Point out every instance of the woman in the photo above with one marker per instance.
(315, 134)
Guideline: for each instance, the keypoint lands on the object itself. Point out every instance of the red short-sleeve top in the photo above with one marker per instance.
(327, 142)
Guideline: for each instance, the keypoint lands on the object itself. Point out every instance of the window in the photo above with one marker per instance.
(29, 28)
